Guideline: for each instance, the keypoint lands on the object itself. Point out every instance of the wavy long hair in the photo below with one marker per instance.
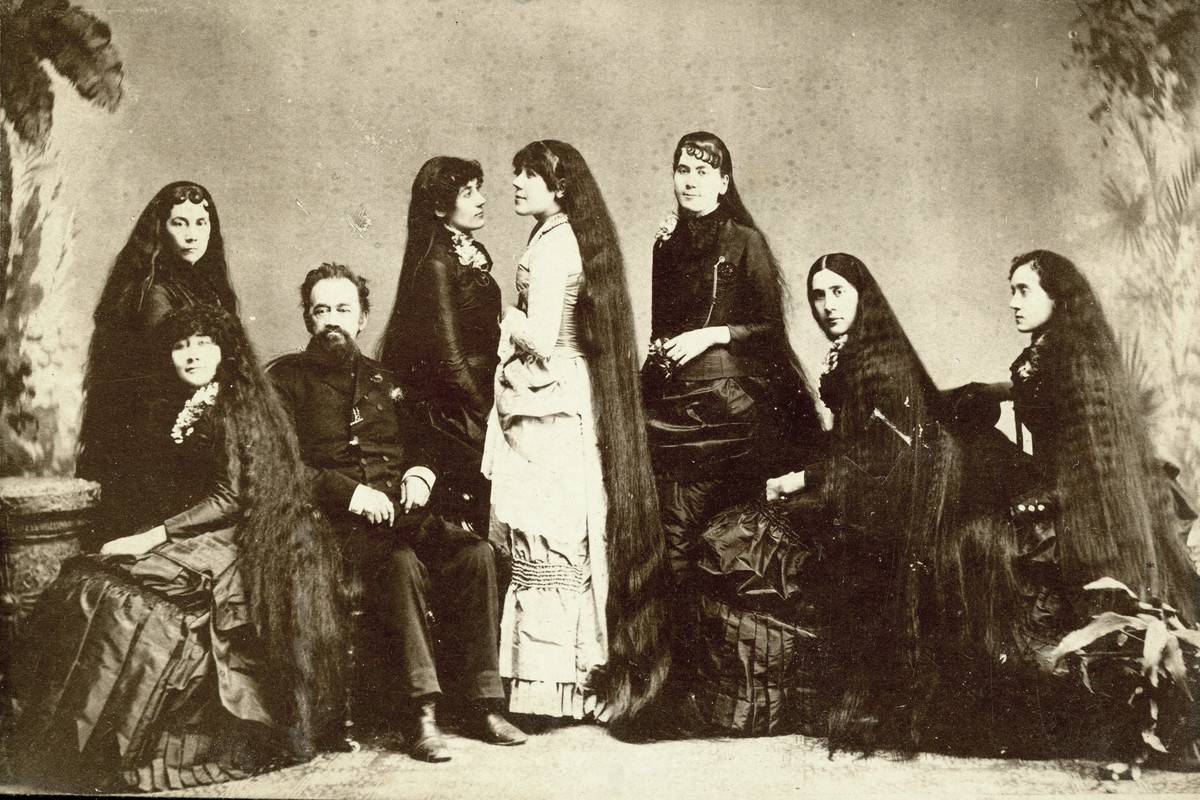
(287, 555)
(636, 610)
(119, 352)
(882, 374)
(1113, 504)
(434, 190)
(883, 392)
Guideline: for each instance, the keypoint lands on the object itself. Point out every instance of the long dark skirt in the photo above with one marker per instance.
(714, 443)
(143, 673)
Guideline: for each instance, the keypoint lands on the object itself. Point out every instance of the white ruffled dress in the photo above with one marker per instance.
(548, 501)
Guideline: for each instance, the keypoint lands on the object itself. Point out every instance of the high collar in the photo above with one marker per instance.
(1026, 366)
(548, 224)
(701, 234)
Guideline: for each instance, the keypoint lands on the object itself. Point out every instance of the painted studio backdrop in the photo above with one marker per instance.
(935, 140)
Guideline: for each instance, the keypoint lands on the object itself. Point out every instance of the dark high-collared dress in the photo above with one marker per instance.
(446, 329)
(739, 413)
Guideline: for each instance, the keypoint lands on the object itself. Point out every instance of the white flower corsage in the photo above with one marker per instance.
(667, 227)
(468, 252)
(185, 422)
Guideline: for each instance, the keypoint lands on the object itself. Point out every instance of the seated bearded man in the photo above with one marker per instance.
(362, 447)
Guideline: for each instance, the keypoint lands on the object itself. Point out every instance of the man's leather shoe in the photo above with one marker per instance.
(425, 739)
(490, 727)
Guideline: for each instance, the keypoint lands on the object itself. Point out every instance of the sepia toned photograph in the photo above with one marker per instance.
(611, 399)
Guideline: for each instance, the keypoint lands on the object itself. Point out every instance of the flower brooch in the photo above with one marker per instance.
(468, 252)
(185, 422)
(667, 228)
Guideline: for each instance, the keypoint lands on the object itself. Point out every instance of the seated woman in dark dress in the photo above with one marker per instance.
(203, 646)
(1098, 505)
(175, 258)
(886, 485)
(948, 615)
(1092, 456)
(444, 330)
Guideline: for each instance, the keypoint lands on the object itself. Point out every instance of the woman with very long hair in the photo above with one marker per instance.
(888, 485)
(175, 258)
(205, 645)
(727, 404)
(441, 340)
(572, 487)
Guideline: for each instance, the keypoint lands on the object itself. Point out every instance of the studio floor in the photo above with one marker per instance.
(584, 762)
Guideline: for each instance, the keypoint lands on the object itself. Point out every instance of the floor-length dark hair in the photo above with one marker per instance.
(435, 189)
(287, 554)
(883, 384)
(639, 646)
(1113, 517)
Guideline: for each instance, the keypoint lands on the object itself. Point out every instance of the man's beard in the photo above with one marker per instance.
(334, 345)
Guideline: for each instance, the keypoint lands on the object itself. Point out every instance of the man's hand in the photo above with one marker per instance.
(689, 344)
(136, 544)
(414, 493)
(784, 485)
(373, 504)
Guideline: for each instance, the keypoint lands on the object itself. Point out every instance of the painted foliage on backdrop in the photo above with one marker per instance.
(41, 365)
(1141, 63)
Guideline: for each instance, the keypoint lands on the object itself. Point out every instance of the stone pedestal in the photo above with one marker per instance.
(42, 522)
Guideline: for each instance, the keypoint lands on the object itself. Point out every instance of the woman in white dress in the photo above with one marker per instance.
(573, 497)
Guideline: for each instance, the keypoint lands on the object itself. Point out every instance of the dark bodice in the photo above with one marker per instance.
(353, 422)
(192, 491)
(448, 322)
(1034, 402)
(713, 271)
(176, 285)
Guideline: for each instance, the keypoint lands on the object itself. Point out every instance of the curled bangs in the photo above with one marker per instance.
(706, 147)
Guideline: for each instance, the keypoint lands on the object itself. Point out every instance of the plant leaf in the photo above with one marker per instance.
(1110, 583)
(1190, 636)
(1151, 738)
(1173, 661)
(1102, 625)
